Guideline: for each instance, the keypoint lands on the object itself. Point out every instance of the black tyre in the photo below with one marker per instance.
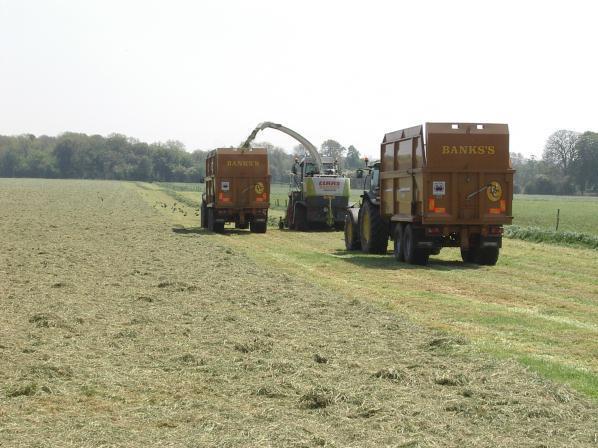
(468, 256)
(487, 256)
(352, 241)
(204, 215)
(300, 218)
(413, 255)
(214, 226)
(258, 227)
(373, 231)
(399, 245)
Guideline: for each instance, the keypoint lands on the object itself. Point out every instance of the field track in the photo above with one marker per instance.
(123, 324)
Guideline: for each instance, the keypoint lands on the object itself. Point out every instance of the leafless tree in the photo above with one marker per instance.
(560, 149)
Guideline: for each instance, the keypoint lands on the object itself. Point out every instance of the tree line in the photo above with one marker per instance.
(569, 165)
(81, 156)
(118, 157)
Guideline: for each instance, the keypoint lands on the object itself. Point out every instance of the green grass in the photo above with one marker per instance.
(279, 194)
(181, 186)
(565, 238)
(544, 301)
(578, 214)
(586, 382)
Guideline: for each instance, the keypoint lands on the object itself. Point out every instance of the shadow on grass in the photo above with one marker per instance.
(188, 230)
(201, 231)
(312, 230)
(388, 262)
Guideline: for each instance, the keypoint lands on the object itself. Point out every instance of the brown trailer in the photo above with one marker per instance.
(438, 185)
(237, 189)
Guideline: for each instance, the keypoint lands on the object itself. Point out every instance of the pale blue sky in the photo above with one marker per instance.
(206, 72)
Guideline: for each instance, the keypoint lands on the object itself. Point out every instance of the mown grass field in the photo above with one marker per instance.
(124, 324)
(537, 306)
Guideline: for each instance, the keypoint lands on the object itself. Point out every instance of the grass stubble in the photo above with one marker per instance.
(118, 331)
(538, 305)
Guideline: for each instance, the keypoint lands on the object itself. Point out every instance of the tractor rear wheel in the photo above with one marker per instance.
(413, 255)
(399, 246)
(352, 241)
(372, 229)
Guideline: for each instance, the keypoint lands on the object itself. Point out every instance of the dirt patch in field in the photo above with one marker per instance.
(164, 338)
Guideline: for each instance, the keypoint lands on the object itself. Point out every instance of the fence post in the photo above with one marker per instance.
(558, 217)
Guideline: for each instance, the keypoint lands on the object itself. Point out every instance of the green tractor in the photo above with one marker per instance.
(365, 228)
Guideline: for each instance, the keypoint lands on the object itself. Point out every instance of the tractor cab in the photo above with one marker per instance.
(371, 180)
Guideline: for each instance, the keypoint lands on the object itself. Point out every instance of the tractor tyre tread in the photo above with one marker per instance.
(378, 238)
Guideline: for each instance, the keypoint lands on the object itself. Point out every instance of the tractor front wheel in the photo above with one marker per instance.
(352, 241)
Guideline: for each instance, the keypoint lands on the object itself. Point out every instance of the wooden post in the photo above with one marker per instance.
(558, 216)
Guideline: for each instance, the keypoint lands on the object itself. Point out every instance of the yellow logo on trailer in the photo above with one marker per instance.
(494, 191)
(259, 188)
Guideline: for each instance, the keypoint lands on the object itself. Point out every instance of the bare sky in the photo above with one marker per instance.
(206, 72)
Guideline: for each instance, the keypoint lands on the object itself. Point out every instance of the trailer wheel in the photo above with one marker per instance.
(413, 255)
(352, 241)
(258, 227)
(372, 230)
(204, 215)
(468, 256)
(487, 256)
(399, 243)
(300, 218)
(214, 226)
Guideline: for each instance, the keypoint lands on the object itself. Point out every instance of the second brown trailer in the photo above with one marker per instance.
(438, 185)
(237, 189)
